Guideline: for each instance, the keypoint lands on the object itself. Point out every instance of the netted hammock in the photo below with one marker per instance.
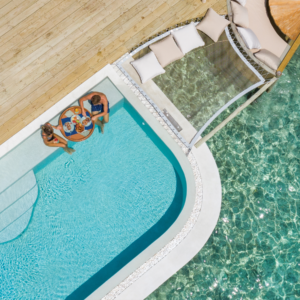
(207, 80)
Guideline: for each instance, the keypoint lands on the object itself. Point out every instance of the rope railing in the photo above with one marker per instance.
(262, 73)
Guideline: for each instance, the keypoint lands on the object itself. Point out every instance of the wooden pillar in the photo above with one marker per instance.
(289, 55)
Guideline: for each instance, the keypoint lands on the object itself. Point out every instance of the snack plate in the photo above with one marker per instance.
(79, 131)
(75, 119)
(89, 123)
(66, 129)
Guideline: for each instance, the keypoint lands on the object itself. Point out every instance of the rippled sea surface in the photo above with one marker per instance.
(254, 251)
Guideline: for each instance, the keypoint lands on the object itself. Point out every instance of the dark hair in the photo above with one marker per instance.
(95, 99)
(48, 130)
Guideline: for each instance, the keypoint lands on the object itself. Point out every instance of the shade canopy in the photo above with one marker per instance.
(286, 14)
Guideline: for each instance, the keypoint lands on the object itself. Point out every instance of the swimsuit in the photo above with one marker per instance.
(50, 137)
(99, 107)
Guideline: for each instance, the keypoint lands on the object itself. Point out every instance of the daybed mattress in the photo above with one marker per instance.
(262, 27)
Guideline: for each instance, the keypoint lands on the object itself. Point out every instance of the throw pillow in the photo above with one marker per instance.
(147, 67)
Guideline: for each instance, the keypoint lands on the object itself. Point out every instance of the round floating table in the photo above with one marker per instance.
(75, 136)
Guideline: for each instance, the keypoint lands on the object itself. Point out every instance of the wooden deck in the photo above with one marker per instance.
(49, 47)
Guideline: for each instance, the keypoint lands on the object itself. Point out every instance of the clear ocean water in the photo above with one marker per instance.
(254, 251)
(96, 210)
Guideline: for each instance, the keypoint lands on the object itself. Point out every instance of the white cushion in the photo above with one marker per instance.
(187, 38)
(240, 15)
(147, 67)
(212, 25)
(242, 2)
(268, 58)
(249, 38)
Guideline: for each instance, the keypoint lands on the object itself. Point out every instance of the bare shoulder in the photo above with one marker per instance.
(45, 139)
(103, 96)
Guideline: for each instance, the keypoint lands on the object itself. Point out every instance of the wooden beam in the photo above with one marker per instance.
(289, 55)
(236, 112)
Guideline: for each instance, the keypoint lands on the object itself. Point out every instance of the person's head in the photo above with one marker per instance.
(95, 99)
(47, 129)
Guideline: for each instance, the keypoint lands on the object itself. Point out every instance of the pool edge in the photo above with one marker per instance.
(193, 234)
(193, 242)
(177, 148)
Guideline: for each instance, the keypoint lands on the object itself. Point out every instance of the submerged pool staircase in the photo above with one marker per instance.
(16, 206)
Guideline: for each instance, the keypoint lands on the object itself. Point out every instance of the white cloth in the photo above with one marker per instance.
(148, 67)
(249, 38)
(187, 38)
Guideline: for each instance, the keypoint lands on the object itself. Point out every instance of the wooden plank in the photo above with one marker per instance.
(36, 19)
(162, 22)
(42, 44)
(87, 34)
(223, 10)
(14, 90)
(46, 30)
(219, 6)
(129, 17)
(199, 11)
(9, 7)
(49, 17)
(54, 47)
(289, 55)
(114, 45)
(12, 17)
(93, 43)
(4, 2)
(26, 101)
(50, 57)
(116, 48)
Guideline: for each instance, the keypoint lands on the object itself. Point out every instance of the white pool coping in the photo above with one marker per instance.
(193, 236)
(161, 100)
(195, 223)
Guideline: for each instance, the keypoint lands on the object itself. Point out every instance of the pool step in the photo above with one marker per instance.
(16, 206)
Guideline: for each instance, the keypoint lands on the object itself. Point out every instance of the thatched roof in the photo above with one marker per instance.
(286, 14)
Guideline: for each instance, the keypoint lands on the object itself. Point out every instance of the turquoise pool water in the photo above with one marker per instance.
(96, 210)
(254, 251)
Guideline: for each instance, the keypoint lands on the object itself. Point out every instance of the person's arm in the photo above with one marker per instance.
(51, 143)
(60, 145)
(58, 127)
(84, 98)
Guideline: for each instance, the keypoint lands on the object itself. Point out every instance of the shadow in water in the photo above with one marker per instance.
(135, 248)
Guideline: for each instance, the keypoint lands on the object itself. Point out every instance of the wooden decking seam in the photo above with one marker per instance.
(55, 45)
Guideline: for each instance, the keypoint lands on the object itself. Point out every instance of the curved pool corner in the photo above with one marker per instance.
(183, 238)
(188, 234)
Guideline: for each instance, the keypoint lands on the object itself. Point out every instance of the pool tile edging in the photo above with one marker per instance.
(196, 208)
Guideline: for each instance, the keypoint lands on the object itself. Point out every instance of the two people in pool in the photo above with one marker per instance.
(100, 108)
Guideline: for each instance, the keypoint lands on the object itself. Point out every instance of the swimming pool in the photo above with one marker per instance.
(96, 210)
